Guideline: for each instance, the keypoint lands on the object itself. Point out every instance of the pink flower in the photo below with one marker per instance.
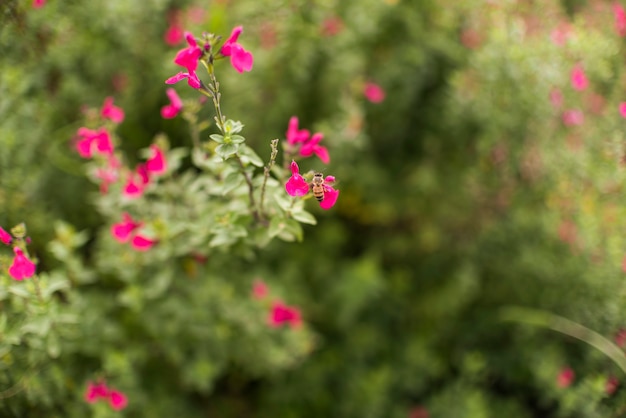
(188, 57)
(611, 385)
(240, 59)
(38, 4)
(578, 78)
(622, 109)
(142, 243)
(192, 79)
(332, 26)
(171, 110)
(330, 194)
(108, 174)
(295, 135)
(296, 185)
(117, 400)
(134, 186)
(373, 92)
(174, 33)
(620, 19)
(95, 392)
(5, 237)
(21, 268)
(312, 147)
(90, 141)
(156, 163)
(281, 314)
(109, 111)
(556, 98)
(123, 231)
(565, 378)
(560, 34)
(573, 117)
(259, 289)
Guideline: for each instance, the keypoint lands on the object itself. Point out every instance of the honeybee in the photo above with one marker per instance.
(317, 185)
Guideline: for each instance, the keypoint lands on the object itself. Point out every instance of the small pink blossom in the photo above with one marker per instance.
(174, 33)
(281, 314)
(90, 142)
(620, 19)
(332, 26)
(142, 243)
(188, 57)
(560, 34)
(21, 268)
(192, 79)
(38, 4)
(296, 185)
(123, 231)
(295, 135)
(573, 117)
(565, 377)
(471, 38)
(259, 289)
(373, 92)
(578, 78)
(171, 110)
(312, 146)
(5, 237)
(240, 59)
(117, 400)
(622, 109)
(556, 98)
(134, 186)
(95, 392)
(611, 385)
(112, 112)
(156, 164)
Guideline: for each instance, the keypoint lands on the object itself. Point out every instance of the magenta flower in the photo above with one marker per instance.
(156, 163)
(578, 78)
(90, 142)
(38, 4)
(330, 194)
(95, 392)
(123, 231)
(112, 112)
(117, 400)
(295, 135)
(192, 79)
(134, 186)
(240, 59)
(281, 314)
(142, 243)
(259, 289)
(565, 377)
(373, 92)
(21, 268)
(296, 185)
(573, 117)
(5, 237)
(620, 19)
(188, 57)
(171, 110)
(622, 109)
(312, 146)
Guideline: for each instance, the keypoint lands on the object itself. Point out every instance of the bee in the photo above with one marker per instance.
(317, 185)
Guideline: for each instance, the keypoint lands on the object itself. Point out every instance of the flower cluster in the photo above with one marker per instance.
(128, 231)
(21, 267)
(297, 186)
(139, 179)
(100, 391)
(300, 141)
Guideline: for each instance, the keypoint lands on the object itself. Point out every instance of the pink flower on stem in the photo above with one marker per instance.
(188, 57)
(117, 400)
(296, 184)
(112, 112)
(578, 78)
(295, 135)
(330, 194)
(312, 146)
(620, 19)
(21, 268)
(240, 59)
(156, 164)
(565, 377)
(192, 79)
(90, 142)
(373, 92)
(259, 289)
(281, 314)
(5, 237)
(171, 110)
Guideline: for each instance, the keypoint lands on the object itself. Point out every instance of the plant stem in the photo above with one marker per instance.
(266, 171)
(246, 176)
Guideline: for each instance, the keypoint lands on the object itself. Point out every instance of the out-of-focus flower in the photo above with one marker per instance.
(123, 231)
(259, 289)
(108, 174)
(90, 141)
(117, 400)
(561, 34)
(192, 79)
(112, 112)
(418, 412)
(373, 92)
(174, 33)
(171, 110)
(295, 135)
(620, 19)
(156, 164)
(21, 268)
(5, 237)
(611, 385)
(281, 314)
(38, 4)
(312, 146)
(95, 392)
(622, 109)
(573, 117)
(240, 59)
(556, 98)
(579, 78)
(188, 57)
(565, 377)
(331, 26)
(142, 243)
(296, 184)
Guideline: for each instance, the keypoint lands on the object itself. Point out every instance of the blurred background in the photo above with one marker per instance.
(487, 175)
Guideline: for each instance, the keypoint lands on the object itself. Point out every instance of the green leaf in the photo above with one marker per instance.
(248, 156)
(53, 345)
(217, 138)
(20, 290)
(226, 150)
(231, 182)
(39, 326)
(237, 139)
(54, 285)
(304, 217)
(283, 199)
(277, 225)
